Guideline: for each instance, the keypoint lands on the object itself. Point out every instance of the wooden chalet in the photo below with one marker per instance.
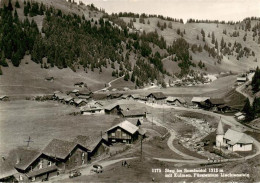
(125, 132)
(156, 97)
(177, 101)
(224, 108)
(79, 84)
(114, 95)
(112, 109)
(32, 165)
(215, 102)
(91, 110)
(96, 145)
(68, 154)
(201, 102)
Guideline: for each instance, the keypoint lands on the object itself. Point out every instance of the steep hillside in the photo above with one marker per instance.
(142, 48)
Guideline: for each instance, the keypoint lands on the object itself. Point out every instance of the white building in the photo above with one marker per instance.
(233, 140)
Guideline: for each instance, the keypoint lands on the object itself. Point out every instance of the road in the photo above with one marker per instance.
(85, 170)
(242, 87)
(109, 84)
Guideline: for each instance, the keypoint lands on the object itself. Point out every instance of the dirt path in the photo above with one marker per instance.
(109, 84)
(242, 87)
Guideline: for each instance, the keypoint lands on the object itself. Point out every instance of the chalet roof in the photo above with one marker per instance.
(89, 142)
(2, 97)
(236, 137)
(241, 78)
(127, 126)
(220, 129)
(111, 106)
(115, 95)
(157, 95)
(134, 112)
(216, 101)
(42, 171)
(59, 148)
(89, 109)
(60, 96)
(78, 101)
(238, 114)
(68, 98)
(223, 106)
(85, 92)
(75, 91)
(173, 99)
(199, 99)
(79, 83)
(125, 107)
(141, 131)
(6, 169)
(134, 96)
(22, 158)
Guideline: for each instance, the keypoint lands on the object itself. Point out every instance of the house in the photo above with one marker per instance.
(84, 94)
(87, 110)
(241, 80)
(112, 109)
(125, 132)
(177, 101)
(95, 145)
(239, 116)
(215, 102)
(157, 97)
(134, 96)
(79, 84)
(32, 165)
(114, 95)
(68, 154)
(200, 102)
(223, 108)
(80, 102)
(4, 98)
(69, 100)
(233, 140)
(134, 113)
(7, 171)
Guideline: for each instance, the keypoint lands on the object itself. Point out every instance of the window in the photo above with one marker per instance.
(119, 130)
(83, 154)
(113, 140)
(40, 165)
(124, 134)
(49, 163)
(113, 134)
(124, 140)
(33, 178)
(20, 177)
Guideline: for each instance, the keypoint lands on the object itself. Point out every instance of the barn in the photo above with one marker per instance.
(96, 145)
(68, 154)
(124, 132)
(156, 97)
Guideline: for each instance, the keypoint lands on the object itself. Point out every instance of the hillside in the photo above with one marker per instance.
(142, 48)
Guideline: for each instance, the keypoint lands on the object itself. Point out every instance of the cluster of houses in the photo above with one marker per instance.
(233, 140)
(217, 104)
(59, 156)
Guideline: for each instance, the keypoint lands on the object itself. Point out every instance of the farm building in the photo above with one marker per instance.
(95, 145)
(200, 102)
(69, 100)
(215, 102)
(233, 140)
(177, 101)
(223, 108)
(7, 172)
(241, 80)
(114, 95)
(79, 84)
(134, 113)
(80, 102)
(84, 94)
(124, 132)
(156, 97)
(68, 154)
(112, 109)
(91, 110)
(4, 98)
(32, 165)
(239, 116)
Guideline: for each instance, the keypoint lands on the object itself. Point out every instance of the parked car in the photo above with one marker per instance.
(97, 168)
(74, 173)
